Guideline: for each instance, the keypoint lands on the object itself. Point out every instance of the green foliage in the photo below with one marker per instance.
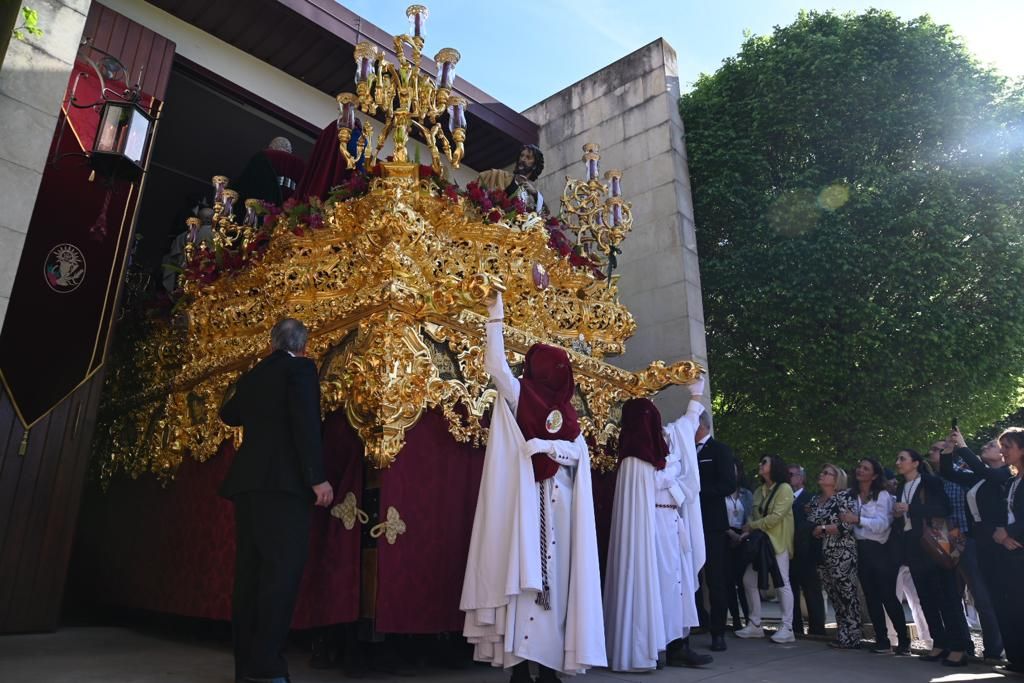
(30, 25)
(858, 188)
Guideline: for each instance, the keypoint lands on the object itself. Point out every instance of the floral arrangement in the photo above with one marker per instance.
(493, 206)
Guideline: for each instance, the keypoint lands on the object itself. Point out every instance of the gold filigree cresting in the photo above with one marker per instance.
(393, 290)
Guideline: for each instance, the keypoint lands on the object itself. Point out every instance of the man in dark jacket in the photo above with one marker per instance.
(803, 571)
(716, 464)
(277, 473)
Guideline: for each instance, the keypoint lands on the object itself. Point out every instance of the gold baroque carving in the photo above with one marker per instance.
(392, 275)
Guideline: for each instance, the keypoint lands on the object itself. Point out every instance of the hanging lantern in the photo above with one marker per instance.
(122, 140)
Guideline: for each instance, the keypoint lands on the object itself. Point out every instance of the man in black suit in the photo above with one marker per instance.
(803, 572)
(277, 473)
(716, 464)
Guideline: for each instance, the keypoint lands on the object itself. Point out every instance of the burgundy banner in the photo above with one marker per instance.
(65, 291)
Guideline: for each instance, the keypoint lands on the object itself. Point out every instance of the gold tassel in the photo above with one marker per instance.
(23, 448)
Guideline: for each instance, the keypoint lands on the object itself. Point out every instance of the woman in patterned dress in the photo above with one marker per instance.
(837, 567)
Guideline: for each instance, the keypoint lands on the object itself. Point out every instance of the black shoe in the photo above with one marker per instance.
(322, 656)
(961, 662)
(547, 675)
(1010, 668)
(684, 656)
(718, 643)
(521, 673)
(942, 654)
(902, 650)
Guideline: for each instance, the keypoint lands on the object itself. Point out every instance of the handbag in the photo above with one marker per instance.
(943, 542)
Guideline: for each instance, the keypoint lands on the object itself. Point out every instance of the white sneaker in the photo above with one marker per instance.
(784, 635)
(752, 630)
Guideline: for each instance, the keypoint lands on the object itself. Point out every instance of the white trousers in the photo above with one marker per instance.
(785, 592)
(905, 590)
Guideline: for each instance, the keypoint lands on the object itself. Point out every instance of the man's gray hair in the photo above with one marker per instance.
(289, 334)
(705, 419)
(799, 468)
(281, 144)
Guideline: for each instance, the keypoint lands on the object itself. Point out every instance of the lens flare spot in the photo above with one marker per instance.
(834, 196)
(794, 212)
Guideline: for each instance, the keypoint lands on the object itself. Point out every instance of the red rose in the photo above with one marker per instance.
(495, 215)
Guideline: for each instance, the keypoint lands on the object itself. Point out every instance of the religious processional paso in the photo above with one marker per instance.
(390, 273)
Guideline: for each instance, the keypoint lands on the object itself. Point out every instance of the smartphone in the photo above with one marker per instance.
(956, 424)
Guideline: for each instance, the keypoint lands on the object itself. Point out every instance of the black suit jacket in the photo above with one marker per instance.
(990, 497)
(717, 466)
(278, 404)
(929, 501)
(803, 540)
(1016, 530)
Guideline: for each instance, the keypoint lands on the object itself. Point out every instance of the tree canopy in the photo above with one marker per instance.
(858, 186)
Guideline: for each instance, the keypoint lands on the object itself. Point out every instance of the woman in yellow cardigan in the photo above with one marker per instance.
(772, 514)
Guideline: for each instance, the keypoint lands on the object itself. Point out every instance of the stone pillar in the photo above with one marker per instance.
(631, 110)
(32, 83)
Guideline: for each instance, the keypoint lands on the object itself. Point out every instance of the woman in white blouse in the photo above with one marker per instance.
(876, 567)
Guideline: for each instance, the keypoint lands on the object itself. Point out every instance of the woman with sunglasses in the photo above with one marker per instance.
(772, 514)
(872, 522)
(838, 564)
(920, 498)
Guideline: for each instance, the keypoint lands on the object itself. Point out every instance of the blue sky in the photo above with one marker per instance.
(521, 51)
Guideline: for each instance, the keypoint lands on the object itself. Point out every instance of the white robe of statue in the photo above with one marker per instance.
(654, 553)
(503, 570)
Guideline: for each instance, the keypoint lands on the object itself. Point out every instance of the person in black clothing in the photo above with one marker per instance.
(1008, 596)
(803, 573)
(277, 473)
(983, 483)
(920, 498)
(716, 464)
(876, 569)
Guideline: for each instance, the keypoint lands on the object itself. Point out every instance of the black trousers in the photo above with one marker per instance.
(940, 599)
(803, 576)
(737, 596)
(718, 576)
(877, 573)
(272, 542)
(1009, 601)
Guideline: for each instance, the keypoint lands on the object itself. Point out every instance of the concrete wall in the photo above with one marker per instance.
(32, 82)
(630, 109)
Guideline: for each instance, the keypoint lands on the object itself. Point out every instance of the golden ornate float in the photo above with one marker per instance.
(392, 286)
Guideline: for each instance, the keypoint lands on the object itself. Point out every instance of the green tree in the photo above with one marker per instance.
(858, 187)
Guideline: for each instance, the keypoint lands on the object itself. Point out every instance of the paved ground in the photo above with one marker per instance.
(91, 654)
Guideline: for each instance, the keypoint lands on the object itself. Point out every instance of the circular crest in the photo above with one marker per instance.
(553, 422)
(64, 269)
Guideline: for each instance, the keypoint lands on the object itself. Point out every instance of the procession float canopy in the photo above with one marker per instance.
(391, 274)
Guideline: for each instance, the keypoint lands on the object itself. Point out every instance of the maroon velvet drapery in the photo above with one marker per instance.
(172, 550)
(169, 550)
(433, 484)
(330, 585)
(325, 168)
(603, 484)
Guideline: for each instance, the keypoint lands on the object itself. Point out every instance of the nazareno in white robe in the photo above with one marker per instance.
(654, 553)
(503, 569)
